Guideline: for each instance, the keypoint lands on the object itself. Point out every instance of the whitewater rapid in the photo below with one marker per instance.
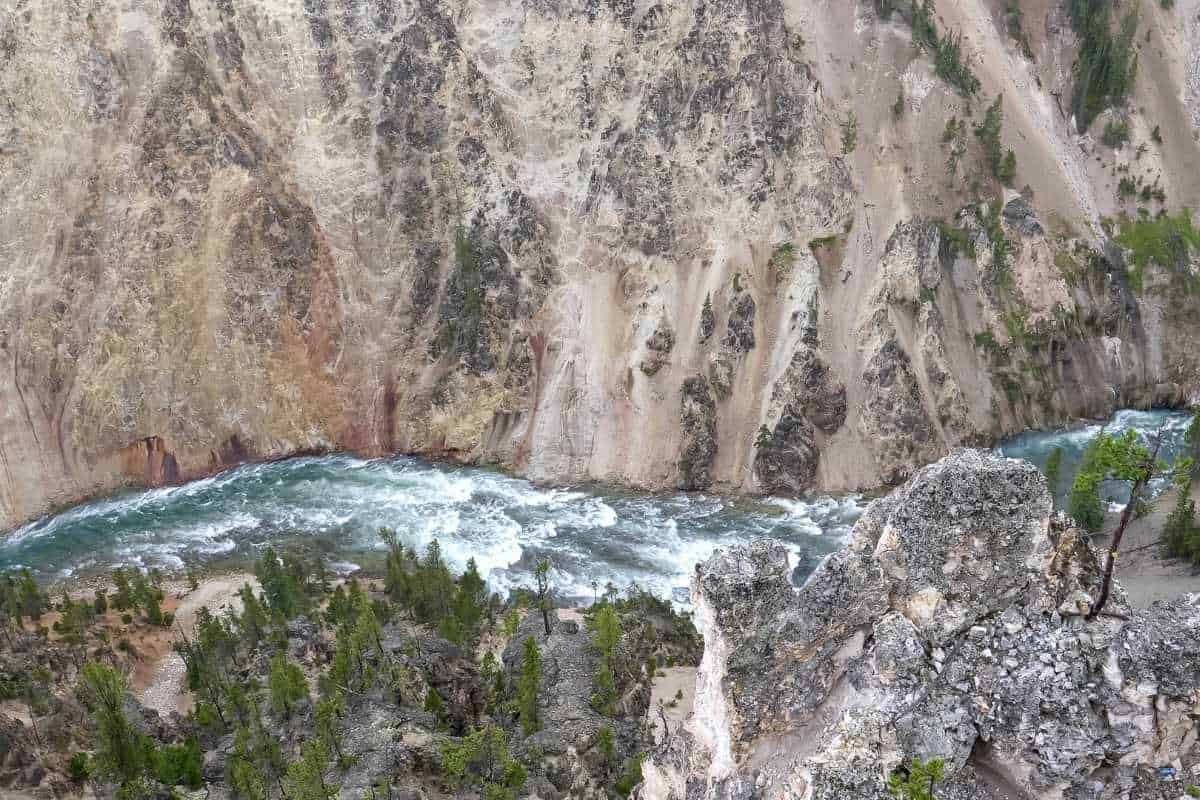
(334, 507)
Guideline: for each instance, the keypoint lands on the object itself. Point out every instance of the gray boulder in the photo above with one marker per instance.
(952, 626)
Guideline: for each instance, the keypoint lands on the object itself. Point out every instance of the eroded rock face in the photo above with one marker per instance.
(951, 626)
(698, 417)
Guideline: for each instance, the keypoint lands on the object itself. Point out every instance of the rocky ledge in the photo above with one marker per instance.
(952, 626)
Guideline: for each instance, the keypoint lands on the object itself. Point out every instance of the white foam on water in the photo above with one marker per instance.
(599, 514)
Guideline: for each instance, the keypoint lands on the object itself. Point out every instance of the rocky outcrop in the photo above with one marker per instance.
(698, 418)
(952, 626)
(812, 399)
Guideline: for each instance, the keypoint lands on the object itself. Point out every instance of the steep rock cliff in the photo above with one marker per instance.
(516, 232)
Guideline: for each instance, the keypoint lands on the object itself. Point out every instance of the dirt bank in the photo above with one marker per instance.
(158, 681)
(1146, 575)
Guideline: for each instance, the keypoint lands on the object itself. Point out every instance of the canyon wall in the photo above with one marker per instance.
(731, 244)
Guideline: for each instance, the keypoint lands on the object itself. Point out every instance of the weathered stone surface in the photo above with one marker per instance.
(698, 418)
(951, 626)
(739, 337)
(787, 455)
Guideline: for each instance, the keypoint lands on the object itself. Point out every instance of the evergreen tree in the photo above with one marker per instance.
(493, 679)
(606, 630)
(245, 776)
(918, 781)
(604, 701)
(606, 634)
(287, 685)
(1124, 458)
(325, 722)
(253, 621)
(282, 584)
(541, 574)
(121, 754)
(482, 759)
(1191, 446)
(180, 764)
(434, 704)
(527, 687)
(305, 778)
(123, 598)
(1085, 506)
(1181, 535)
(1054, 470)
(607, 745)
(1002, 165)
(73, 623)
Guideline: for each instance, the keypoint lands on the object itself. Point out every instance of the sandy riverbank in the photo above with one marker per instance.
(158, 682)
(1141, 569)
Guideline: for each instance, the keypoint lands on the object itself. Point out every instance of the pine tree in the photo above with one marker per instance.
(918, 781)
(305, 778)
(607, 630)
(434, 704)
(482, 759)
(1180, 534)
(1124, 458)
(287, 685)
(325, 722)
(1003, 165)
(1191, 446)
(242, 771)
(606, 634)
(120, 753)
(541, 574)
(1085, 506)
(253, 620)
(604, 701)
(282, 584)
(527, 687)
(1054, 471)
(606, 743)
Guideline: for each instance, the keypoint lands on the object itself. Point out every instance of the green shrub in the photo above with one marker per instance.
(79, 768)
(1116, 133)
(918, 781)
(849, 133)
(631, 777)
(1002, 164)
(1163, 240)
(482, 759)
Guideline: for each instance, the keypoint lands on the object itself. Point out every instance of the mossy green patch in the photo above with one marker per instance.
(1163, 240)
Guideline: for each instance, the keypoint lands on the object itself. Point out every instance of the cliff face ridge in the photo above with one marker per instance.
(596, 239)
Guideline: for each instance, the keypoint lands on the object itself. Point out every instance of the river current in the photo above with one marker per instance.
(336, 505)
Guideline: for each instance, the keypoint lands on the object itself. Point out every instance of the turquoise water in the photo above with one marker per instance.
(1036, 446)
(335, 505)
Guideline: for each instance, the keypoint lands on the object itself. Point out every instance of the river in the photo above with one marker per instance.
(336, 505)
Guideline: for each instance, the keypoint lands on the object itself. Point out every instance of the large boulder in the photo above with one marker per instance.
(952, 626)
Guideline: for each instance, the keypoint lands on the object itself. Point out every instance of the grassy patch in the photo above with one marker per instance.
(1163, 240)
